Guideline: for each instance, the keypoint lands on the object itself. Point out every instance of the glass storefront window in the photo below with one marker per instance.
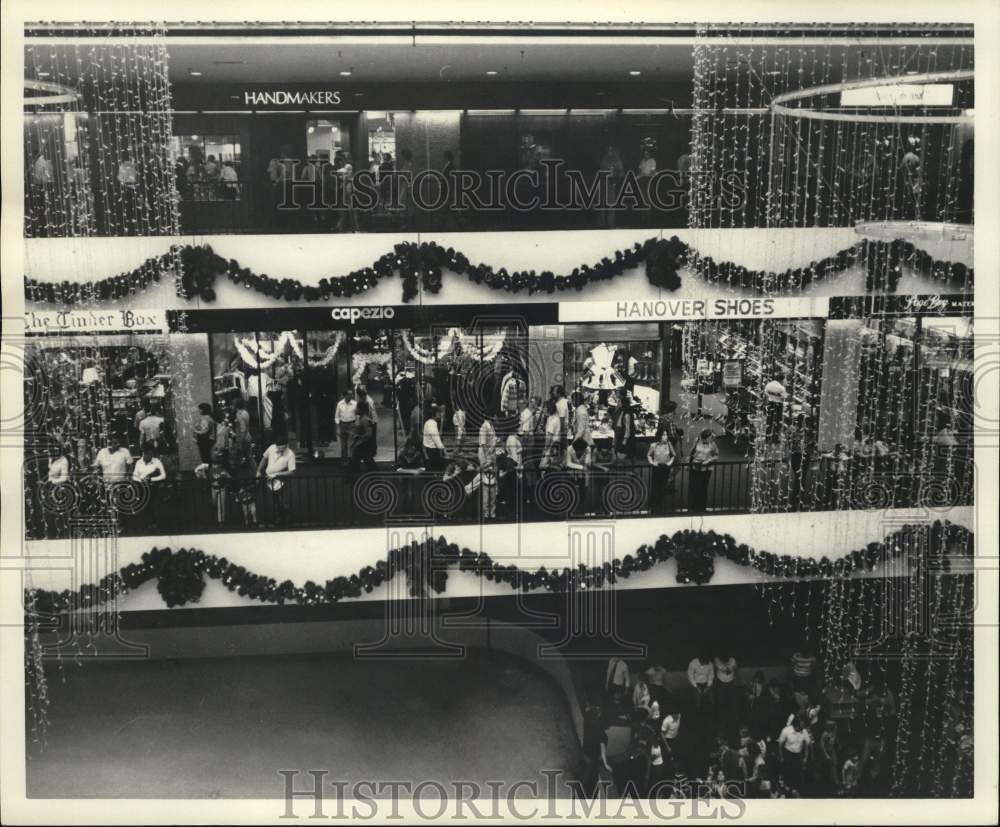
(291, 381)
(100, 390)
(475, 374)
(207, 167)
(945, 361)
(265, 372)
(371, 371)
(58, 197)
(325, 138)
(381, 139)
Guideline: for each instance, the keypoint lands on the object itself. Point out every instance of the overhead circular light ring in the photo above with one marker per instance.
(58, 93)
(925, 231)
(778, 106)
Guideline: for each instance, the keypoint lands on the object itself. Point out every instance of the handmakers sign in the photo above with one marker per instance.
(284, 97)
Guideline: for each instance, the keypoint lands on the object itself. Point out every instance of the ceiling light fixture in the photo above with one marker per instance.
(194, 73)
(492, 72)
(634, 73)
(346, 73)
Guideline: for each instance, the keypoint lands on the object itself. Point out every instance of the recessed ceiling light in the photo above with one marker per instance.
(492, 72)
(42, 74)
(634, 73)
(345, 73)
(194, 73)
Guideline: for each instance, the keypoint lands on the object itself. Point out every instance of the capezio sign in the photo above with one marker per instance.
(356, 314)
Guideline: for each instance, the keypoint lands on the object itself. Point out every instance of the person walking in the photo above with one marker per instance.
(434, 450)
(149, 472)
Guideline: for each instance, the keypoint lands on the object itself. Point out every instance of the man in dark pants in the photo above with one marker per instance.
(775, 396)
(343, 419)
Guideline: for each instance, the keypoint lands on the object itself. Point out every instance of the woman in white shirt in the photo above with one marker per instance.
(433, 446)
(149, 472)
(662, 456)
(59, 468)
(793, 746)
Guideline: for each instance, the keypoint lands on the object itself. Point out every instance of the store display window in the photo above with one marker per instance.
(291, 381)
(945, 360)
(612, 364)
(915, 389)
(381, 139)
(748, 381)
(885, 392)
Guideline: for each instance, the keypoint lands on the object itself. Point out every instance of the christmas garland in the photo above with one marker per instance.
(180, 574)
(424, 264)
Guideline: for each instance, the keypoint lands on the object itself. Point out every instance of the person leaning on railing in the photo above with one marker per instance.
(149, 471)
(663, 457)
(60, 467)
(277, 464)
(704, 453)
(624, 426)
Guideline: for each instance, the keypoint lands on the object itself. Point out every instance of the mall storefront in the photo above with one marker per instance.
(823, 439)
(237, 151)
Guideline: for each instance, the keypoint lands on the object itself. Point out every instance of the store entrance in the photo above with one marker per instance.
(290, 383)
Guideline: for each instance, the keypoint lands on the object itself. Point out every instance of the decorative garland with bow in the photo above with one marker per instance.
(424, 264)
(263, 359)
(360, 361)
(180, 574)
(492, 345)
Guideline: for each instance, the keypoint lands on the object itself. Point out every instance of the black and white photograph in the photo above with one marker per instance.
(583, 413)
